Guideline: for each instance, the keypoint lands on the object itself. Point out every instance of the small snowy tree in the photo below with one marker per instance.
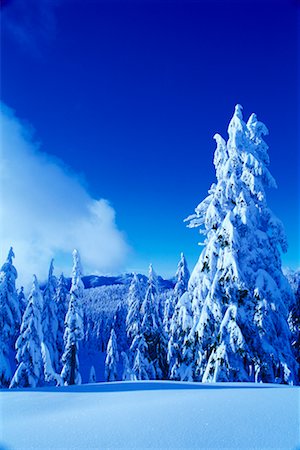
(29, 372)
(237, 290)
(73, 326)
(151, 333)
(143, 368)
(182, 277)
(61, 300)
(294, 323)
(49, 318)
(119, 326)
(181, 357)
(10, 317)
(49, 373)
(112, 358)
(22, 300)
(135, 300)
(92, 376)
(127, 374)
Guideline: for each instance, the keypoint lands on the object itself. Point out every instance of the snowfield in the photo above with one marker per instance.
(152, 414)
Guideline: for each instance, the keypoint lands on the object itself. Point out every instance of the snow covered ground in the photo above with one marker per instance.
(152, 414)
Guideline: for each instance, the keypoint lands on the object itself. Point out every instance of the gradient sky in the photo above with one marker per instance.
(129, 94)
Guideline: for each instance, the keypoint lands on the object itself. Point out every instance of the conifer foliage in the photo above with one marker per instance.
(10, 316)
(73, 326)
(149, 345)
(49, 318)
(237, 290)
(61, 300)
(135, 300)
(112, 358)
(29, 372)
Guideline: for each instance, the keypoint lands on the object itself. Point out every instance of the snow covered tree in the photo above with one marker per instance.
(61, 300)
(151, 334)
(294, 323)
(119, 326)
(127, 374)
(237, 290)
(181, 358)
(112, 358)
(50, 375)
(182, 277)
(135, 300)
(22, 300)
(143, 367)
(92, 377)
(49, 318)
(73, 326)
(29, 372)
(10, 317)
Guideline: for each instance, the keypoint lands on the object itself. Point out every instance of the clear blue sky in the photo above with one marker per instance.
(130, 94)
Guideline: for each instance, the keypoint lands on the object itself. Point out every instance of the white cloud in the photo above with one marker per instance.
(46, 211)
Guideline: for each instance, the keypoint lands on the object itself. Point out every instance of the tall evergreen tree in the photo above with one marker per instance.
(49, 318)
(127, 374)
(29, 372)
(294, 323)
(112, 358)
(10, 317)
(119, 326)
(182, 277)
(142, 369)
(22, 300)
(61, 300)
(73, 326)
(49, 373)
(237, 289)
(181, 357)
(135, 300)
(151, 332)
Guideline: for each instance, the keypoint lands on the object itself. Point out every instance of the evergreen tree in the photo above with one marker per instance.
(135, 300)
(119, 326)
(127, 374)
(237, 290)
(50, 375)
(61, 300)
(29, 372)
(143, 368)
(294, 323)
(182, 278)
(180, 353)
(22, 302)
(10, 317)
(112, 358)
(49, 318)
(73, 326)
(154, 350)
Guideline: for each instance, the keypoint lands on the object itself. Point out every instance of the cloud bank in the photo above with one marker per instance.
(46, 211)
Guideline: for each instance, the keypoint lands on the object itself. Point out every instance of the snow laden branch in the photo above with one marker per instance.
(237, 293)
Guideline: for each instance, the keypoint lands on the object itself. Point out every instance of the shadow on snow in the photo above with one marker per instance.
(126, 386)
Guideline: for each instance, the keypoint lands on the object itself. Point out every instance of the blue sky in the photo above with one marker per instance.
(129, 95)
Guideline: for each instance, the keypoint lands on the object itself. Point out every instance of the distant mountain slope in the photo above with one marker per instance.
(92, 281)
